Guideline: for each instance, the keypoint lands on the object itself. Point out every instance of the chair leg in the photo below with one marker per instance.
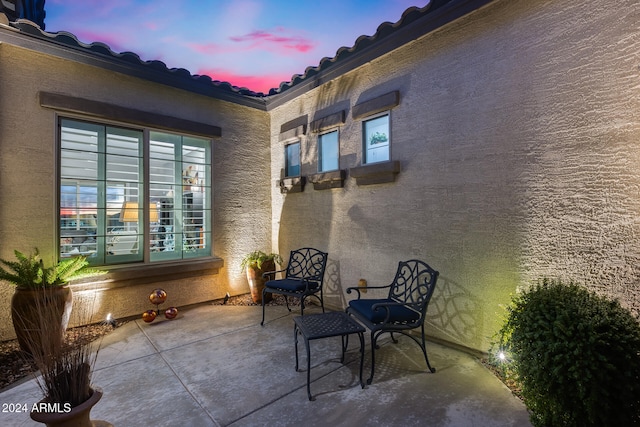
(302, 305)
(374, 338)
(393, 338)
(286, 301)
(263, 293)
(424, 351)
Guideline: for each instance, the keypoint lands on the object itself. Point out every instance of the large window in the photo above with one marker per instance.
(328, 151)
(377, 139)
(116, 206)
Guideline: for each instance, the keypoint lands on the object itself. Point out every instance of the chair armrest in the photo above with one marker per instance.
(306, 281)
(266, 273)
(385, 306)
(364, 288)
(355, 288)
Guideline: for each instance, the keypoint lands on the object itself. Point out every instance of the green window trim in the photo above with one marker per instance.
(133, 195)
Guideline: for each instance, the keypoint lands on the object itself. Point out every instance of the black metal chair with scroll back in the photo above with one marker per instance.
(303, 278)
(402, 310)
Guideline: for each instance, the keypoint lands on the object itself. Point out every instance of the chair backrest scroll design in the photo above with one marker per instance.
(307, 263)
(414, 284)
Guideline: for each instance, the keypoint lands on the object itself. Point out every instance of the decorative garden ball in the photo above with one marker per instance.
(158, 296)
(149, 316)
(171, 313)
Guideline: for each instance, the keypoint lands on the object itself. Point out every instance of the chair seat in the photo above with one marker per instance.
(303, 278)
(398, 313)
(291, 285)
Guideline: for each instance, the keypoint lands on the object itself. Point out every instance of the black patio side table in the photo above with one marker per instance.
(325, 325)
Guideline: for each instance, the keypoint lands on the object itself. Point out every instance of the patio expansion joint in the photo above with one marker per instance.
(297, 389)
(207, 338)
(175, 374)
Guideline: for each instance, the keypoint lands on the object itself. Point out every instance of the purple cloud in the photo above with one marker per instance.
(277, 38)
(207, 48)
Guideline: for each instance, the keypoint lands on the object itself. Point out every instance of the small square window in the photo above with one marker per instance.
(377, 139)
(328, 151)
(292, 159)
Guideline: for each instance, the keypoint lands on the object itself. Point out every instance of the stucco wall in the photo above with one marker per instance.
(241, 201)
(517, 132)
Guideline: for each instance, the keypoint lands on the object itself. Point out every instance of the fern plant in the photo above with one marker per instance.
(29, 272)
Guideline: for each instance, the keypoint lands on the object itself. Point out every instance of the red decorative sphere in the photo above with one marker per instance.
(171, 313)
(149, 316)
(158, 296)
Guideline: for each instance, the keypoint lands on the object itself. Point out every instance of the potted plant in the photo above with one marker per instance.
(65, 368)
(256, 264)
(37, 285)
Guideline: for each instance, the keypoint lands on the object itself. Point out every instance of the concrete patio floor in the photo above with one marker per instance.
(216, 366)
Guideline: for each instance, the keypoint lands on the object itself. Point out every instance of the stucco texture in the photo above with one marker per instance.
(517, 134)
(241, 202)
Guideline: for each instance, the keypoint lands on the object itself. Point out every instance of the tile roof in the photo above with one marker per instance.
(388, 36)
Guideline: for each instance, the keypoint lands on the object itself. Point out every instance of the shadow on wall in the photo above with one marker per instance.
(333, 292)
(305, 221)
(454, 313)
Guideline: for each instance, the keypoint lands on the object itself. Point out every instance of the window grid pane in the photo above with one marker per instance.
(180, 187)
(164, 152)
(100, 172)
(195, 165)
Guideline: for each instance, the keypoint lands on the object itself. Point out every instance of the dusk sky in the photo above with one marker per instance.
(255, 44)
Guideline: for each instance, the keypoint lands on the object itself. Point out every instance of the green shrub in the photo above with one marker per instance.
(576, 356)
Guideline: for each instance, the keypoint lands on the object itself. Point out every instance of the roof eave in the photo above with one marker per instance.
(127, 64)
(415, 23)
(431, 19)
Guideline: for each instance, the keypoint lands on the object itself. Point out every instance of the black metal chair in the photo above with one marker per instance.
(303, 278)
(402, 310)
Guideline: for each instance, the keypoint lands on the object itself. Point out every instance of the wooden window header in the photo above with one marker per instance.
(118, 113)
(329, 121)
(376, 105)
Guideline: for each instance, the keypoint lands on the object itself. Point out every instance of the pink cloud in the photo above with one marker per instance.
(285, 42)
(153, 26)
(256, 83)
(207, 48)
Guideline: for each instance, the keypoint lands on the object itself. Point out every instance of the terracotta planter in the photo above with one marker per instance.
(256, 282)
(78, 416)
(25, 305)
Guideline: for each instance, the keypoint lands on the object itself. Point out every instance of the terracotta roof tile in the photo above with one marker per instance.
(384, 31)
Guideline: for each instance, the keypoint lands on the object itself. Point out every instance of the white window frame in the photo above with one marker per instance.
(376, 138)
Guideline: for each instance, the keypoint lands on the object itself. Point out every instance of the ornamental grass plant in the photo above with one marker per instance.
(575, 355)
(64, 368)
